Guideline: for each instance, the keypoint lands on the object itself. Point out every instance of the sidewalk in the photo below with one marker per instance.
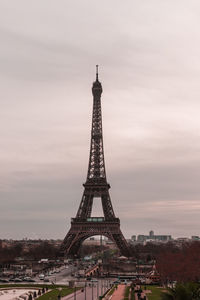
(88, 294)
(119, 292)
(71, 296)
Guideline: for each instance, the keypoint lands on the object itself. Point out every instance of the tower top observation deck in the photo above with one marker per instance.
(97, 87)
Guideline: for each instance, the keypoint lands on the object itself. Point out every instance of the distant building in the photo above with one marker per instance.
(151, 237)
(133, 238)
(93, 242)
(195, 238)
(182, 239)
(151, 233)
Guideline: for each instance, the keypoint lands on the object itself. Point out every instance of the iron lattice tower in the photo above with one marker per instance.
(96, 185)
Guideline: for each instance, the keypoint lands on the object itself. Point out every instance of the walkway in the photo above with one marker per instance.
(119, 292)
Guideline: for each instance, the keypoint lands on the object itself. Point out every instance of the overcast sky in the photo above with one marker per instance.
(149, 57)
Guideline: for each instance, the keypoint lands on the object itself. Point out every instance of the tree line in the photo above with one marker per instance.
(44, 249)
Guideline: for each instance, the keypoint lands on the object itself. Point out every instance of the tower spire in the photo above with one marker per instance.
(97, 74)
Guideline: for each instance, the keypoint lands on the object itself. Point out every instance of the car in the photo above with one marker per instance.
(4, 280)
(46, 280)
(27, 278)
(18, 280)
(88, 278)
(31, 280)
(123, 281)
(41, 276)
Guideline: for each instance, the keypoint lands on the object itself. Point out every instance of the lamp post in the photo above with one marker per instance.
(59, 293)
(98, 289)
(74, 290)
(101, 288)
(85, 290)
(106, 285)
(92, 292)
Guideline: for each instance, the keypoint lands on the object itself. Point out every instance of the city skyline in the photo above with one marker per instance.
(148, 53)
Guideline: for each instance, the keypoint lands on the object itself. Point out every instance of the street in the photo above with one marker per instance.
(61, 277)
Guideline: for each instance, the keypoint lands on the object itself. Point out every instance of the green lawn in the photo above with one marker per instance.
(126, 294)
(111, 291)
(155, 292)
(53, 295)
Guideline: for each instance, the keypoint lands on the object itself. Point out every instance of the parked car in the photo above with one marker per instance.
(12, 279)
(116, 282)
(18, 280)
(4, 280)
(41, 276)
(31, 280)
(88, 278)
(27, 278)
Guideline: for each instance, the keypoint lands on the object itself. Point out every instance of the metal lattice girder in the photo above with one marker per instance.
(96, 186)
(81, 230)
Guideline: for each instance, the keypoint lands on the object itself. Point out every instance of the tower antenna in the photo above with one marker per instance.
(97, 74)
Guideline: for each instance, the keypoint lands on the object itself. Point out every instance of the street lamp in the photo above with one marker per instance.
(59, 293)
(92, 292)
(85, 290)
(101, 288)
(95, 281)
(74, 290)
(98, 289)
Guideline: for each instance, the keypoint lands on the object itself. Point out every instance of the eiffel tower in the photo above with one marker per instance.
(83, 225)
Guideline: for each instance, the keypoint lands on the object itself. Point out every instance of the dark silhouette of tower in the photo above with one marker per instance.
(96, 185)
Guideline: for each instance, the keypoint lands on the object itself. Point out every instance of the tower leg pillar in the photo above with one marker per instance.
(80, 231)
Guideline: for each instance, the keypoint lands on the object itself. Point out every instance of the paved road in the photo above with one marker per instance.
(65, 275)
(60, 278)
